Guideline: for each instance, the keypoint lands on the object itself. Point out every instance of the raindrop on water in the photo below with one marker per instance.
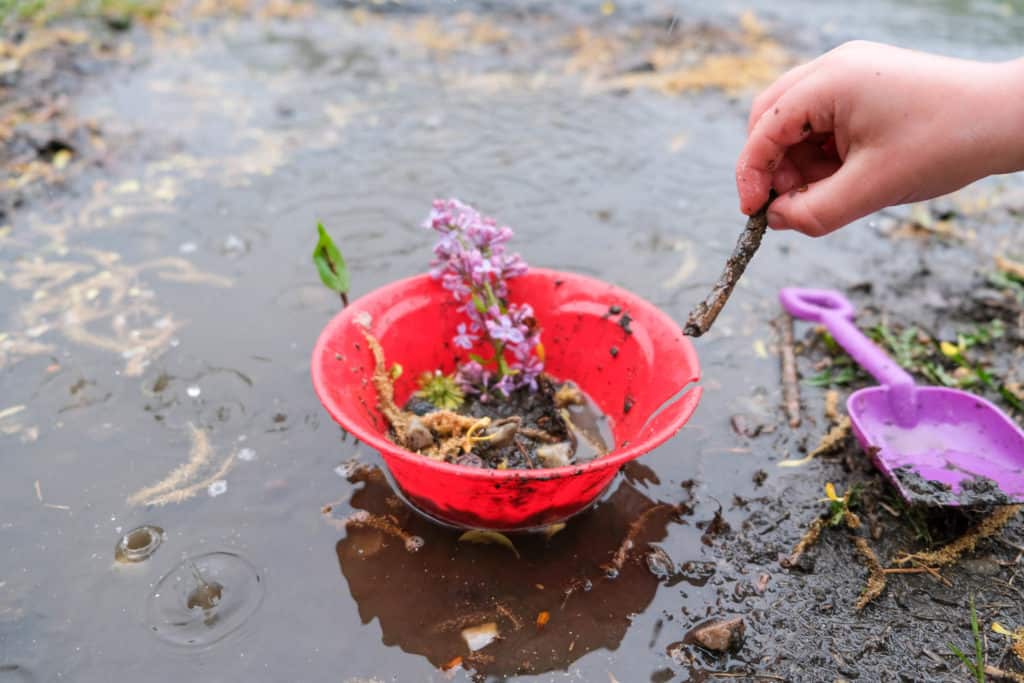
(139, 544)
(204, 599)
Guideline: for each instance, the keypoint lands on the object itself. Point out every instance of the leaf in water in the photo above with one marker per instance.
(552, 529)
(329, 262)
(543, 618)
(482, 536)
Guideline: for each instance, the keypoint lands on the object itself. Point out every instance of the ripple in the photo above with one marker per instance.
(204, 599)
(139, 544)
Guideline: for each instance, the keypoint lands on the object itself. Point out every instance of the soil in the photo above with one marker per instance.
(539, 423)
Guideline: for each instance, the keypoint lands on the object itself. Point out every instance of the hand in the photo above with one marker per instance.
(867, 126)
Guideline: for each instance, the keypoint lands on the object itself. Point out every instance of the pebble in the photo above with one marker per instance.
(720, 635)
(555, 454)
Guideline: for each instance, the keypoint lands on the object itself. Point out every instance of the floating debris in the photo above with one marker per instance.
(479, 637)
(176, 486)
(139, 544)
(483, 536)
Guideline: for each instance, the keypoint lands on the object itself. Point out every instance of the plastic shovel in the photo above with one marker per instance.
(938, 446)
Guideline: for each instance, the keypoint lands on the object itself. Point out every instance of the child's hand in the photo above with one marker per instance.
(867, 126)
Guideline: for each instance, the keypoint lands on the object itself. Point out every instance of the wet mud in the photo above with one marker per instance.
(158, 308)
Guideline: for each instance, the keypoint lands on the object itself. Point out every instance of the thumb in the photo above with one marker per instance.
(817, 209)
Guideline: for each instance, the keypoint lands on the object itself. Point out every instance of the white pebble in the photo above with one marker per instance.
(193, 391)
(218, 487)
(246, 454)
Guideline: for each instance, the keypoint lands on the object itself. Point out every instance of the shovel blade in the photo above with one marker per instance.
(962, 451)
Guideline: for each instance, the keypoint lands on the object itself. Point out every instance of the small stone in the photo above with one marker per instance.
(659, 563)
(419, 406)
(217, 488)
(469, 460)
(193, 391)
(555, 454)
(501, 432)
(417, 435)
(246, 454)
(720, 635)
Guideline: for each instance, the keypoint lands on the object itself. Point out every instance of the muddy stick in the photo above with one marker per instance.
(703, 316)
(790, 384)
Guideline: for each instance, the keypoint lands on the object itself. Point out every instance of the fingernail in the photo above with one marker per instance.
(775, 220)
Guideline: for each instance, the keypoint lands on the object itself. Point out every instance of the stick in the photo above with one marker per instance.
(790, 385)
(703, 316)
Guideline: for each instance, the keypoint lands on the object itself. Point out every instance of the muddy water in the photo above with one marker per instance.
(160, 312)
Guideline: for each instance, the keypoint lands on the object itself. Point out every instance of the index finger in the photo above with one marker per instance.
(804, 109)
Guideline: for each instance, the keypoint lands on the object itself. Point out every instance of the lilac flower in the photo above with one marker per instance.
(464, 339)
(503, 329)
(506, 385)
(527, 371)
(471, 261)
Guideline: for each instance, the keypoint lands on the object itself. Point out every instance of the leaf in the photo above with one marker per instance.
(396, 371)
(330, 263)
(552, 529)
(483, 536)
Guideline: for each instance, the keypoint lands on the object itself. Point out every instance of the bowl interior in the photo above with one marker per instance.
(628, 356)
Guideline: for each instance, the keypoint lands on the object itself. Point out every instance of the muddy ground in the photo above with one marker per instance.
(162, 174)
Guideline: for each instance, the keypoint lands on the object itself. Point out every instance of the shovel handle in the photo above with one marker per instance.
(836, 313)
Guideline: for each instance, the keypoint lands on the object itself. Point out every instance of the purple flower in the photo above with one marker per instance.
(464, 339)
(503, 329)
(456, 285)
(506, 385)
(527, 371)
(513, 266)
(471, 261)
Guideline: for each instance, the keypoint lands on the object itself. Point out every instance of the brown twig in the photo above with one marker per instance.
(703, 316)
(790, 384)
(876, 575)
(809, 538)
(1001, 675)
(950, 553)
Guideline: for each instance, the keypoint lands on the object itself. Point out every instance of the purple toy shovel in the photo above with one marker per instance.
(938, 446)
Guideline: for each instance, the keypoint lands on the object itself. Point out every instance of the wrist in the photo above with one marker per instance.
(1006, 106)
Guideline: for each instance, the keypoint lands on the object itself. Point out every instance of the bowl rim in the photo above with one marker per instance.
(690, 391)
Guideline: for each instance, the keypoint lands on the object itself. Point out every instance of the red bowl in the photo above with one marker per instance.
(635, 369)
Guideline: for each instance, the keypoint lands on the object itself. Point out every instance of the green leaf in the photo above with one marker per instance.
(329, 262)
(979, 654)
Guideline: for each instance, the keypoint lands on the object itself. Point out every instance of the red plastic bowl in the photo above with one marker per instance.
(638, 386)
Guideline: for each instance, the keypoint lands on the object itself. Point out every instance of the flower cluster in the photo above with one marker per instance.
(472, 263)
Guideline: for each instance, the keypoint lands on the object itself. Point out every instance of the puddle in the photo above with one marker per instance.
(171, 275)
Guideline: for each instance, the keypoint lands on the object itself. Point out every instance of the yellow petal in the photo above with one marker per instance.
(61, 158)
(1000, 629)
(949, 349)
(830, 491)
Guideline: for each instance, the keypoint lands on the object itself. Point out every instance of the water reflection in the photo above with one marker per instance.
(478, 606)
